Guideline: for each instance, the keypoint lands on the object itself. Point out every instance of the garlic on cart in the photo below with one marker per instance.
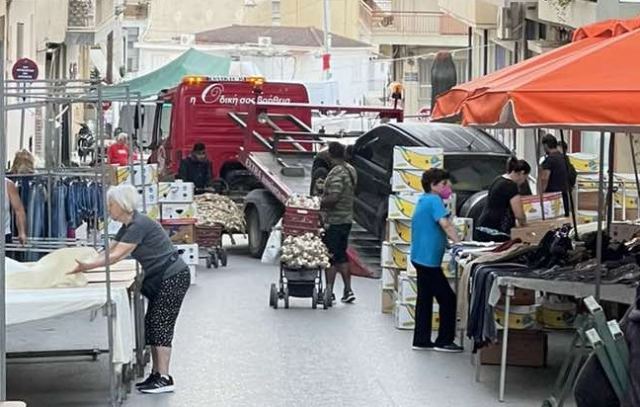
(303, 202)
(304, 251)
(214, 208)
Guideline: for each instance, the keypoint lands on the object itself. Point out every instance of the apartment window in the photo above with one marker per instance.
(275, 12)
(19, 40)
(133, 54)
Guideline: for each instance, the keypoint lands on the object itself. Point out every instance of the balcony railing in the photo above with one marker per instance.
(410, 23)
(82, 14)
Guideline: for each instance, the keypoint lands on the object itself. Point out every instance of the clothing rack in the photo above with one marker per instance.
(52, 94)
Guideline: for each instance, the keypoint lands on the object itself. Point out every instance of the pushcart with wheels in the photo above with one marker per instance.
(209, 239)
(299, 282)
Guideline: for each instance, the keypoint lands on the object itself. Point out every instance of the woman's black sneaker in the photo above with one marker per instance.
(152, 376)
(160, 384)
(348, 297)
(450, 348)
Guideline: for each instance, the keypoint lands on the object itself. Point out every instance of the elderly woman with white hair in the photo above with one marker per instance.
(165, 283)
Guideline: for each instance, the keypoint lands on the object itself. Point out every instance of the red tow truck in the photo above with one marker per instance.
(259, 137)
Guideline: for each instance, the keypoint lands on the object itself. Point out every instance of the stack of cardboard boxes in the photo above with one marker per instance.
(170, 203)
(399, 279)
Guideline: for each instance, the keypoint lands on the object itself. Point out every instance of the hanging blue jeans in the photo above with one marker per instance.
(37, 216)
(58, 211)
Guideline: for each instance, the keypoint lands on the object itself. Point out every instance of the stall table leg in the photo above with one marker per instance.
(505, 338)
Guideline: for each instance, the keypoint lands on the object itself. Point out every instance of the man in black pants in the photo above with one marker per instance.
(430, 228)
(337, 202)
(554, 174)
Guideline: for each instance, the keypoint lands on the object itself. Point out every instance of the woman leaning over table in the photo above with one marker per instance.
(165, 283)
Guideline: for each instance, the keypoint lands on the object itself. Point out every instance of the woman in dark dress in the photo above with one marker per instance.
(504, 206)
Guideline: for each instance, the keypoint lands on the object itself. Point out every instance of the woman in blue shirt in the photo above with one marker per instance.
(430, 228)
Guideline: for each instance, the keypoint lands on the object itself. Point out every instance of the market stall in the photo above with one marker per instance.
(587, 85)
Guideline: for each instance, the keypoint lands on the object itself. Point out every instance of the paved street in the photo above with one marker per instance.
(231, 349)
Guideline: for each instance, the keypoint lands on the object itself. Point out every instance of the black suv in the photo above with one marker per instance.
(473, 158)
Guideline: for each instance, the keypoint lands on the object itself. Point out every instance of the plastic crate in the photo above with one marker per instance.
(209, 236)
(298, 221)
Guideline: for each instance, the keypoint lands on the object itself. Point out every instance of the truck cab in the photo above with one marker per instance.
(201, 109)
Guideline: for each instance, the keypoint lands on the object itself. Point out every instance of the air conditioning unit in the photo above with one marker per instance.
(264, 41)
(510, 22)
(187, 39)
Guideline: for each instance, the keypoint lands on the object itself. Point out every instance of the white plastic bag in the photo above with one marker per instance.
(271, 254)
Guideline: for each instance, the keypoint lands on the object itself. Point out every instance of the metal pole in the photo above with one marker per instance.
(540, 192)
(3, 191)
(610, 168)
(635, 171)
(470, 54)
(327, 27)
(22, 117)
(572, 203)
(105, 235)
(600, 210)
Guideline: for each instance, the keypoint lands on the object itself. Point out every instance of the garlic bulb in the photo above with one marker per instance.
(214, 208)
(303, 202)
(304, 251)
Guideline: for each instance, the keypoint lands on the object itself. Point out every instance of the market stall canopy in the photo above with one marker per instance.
(583, 73)
(192, 62)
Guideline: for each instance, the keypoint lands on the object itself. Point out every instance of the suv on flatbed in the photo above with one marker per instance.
(473, 158)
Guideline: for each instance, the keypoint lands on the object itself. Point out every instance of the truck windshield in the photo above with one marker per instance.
(474, 173)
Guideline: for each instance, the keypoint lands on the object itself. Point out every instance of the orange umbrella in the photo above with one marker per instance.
(594, 88)
(450, 104)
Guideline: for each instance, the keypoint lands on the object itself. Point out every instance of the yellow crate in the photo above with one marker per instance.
(520, 316)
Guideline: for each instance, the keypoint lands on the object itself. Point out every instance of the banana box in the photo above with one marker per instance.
(175, 192)
(150, 194)
(407, 289)
(407, 181)
(464, 228)
(587, 216)
(627, 200)
(183, 213)
(417, 158)
(188, 252)
(402, 205)
(153, 211)
(395, 256)
(551, 202)
(389, 279)
(388, 298)
(147, 175)
(405, 316)
(584, 162)
(399, 231)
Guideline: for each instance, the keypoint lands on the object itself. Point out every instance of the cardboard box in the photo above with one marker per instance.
(404, 316)
(150, 194)
(535, 231)
(524, 348)
(189, 253)
(552, 204)
(584, 162)
(175, 192)
(407, 181)
(153, 211)
(464, 228)
(395, 255)
(629, 199)
(407, 289)
(123, 175)
(402, 206)
(179, 213)
(417, 158)
(181, 234)
(521, 296)
(192, 271)
(388, 301)
(399, 231)
(390, 279)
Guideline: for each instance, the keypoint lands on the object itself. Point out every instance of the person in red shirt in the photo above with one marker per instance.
(118, 153)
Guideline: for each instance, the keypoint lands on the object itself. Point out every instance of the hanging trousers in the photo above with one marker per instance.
(433, 284)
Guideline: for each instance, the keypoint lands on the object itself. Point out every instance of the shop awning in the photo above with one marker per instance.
(590, 83)
(192, 62)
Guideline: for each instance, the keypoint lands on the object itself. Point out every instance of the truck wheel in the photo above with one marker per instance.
(257, 238)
